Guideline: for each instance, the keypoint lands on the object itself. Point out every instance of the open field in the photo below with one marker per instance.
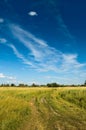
(43, 108)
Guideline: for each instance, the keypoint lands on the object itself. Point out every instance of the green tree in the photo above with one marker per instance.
(13, 85)
(34, 85)
(53, 85)
(85, 83)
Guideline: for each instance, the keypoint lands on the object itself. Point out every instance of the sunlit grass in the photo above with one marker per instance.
(43, 108)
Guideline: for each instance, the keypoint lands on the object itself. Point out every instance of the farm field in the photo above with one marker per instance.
(43, 108)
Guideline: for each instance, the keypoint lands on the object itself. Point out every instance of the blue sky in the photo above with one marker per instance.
(42, 41)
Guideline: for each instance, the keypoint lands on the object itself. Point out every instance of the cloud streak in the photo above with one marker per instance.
(19, 55)
(3, 76)
(41, 56)
(1, 20)
(3, 40)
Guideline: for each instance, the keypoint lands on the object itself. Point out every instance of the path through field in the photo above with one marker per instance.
(48, 112)
(43, 109)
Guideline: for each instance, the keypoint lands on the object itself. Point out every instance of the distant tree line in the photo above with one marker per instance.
(50, 85)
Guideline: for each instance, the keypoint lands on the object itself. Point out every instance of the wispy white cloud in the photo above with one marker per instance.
(39, 49)
(7, 77)
(1, 20)
(2, 75)
(63, 28)
(19, 55)
(70, 62)
(3, 40)
(32, 13)
(43, 57)
(11, 78)
(64, 79)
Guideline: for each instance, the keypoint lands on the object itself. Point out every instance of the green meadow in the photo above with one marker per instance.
(43, 108)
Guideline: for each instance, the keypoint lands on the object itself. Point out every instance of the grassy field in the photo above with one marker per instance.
(43, 108)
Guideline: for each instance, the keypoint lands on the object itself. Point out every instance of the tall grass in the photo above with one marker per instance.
(42, 109)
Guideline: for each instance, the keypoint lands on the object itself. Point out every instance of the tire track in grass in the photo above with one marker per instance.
(71, 114)
(50, 112)
(35, 121)
(67, 115)
(47, 113)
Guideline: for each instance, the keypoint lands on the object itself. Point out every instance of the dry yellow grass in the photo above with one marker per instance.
(43, 108)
